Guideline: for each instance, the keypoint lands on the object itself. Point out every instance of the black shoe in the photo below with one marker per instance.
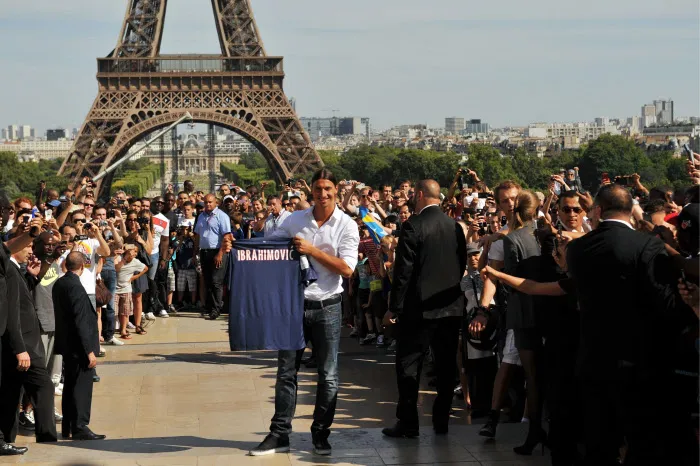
(25, 422)
(440, 430)
(10, 450)
(96, 378)
(534, 437)
(398, 431)
(311, 363)
(272, 444)
(213, 316)
(87, 434)
(489, 429)
(322, 447)
(65, 429)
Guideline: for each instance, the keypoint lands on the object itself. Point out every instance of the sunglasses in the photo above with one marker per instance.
(82, 220)
(160, 202)
(568, 210)
(85, 204)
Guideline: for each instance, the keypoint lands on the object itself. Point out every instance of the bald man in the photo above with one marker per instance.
(426, 297)
(77, 341)
(212, 227)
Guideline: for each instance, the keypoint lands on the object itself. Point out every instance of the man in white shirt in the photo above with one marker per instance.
(276, 216)
(330, 240)
(161, 240)
(571, 213)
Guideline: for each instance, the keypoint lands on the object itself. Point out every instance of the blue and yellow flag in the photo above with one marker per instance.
(375, 229)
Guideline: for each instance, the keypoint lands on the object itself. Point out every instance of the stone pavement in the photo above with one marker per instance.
(177, 396)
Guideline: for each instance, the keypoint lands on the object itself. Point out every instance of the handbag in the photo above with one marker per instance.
(102, 294)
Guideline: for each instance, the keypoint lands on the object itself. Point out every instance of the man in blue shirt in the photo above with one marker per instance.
(212, 227)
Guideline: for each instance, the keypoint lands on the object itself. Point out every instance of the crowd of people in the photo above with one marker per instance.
(568, 309)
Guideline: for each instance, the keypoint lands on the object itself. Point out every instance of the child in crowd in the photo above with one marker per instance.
(129, 269)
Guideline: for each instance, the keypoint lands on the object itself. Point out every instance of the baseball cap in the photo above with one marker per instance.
(54, 203)
(226, 198)
(571, 171)
(473, 248)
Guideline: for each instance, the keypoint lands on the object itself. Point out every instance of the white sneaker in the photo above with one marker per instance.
(30, 416)
(150, 316)
(116, 326)
(58, 391)
(58, 417)
(163, 313)
(368, 339)
(114, 342)
(353, 333)
(130, 326)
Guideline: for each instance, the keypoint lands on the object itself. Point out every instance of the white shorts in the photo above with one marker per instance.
(510, 353)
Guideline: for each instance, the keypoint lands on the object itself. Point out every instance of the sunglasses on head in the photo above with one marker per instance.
(568, 210)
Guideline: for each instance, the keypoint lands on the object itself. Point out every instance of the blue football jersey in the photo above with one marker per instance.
(266, 305)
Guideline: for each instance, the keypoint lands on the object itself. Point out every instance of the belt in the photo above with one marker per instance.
(308, 304)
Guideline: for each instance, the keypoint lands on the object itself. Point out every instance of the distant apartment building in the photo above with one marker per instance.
(55, 134)
(39, 150)
(454, 125)
(581, 131)
(335, 126)
(25, 132)
(3, 133)
(648, 116)
(664, 111)
(477, 127)
(12, 133)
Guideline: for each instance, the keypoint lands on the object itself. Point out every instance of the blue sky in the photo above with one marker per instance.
(397, 61)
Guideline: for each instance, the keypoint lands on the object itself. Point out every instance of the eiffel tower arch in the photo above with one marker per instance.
(140, 91)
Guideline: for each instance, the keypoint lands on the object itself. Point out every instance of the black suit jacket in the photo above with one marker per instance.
(10, 328)
(430, 262)
(631, 312)
(76, 319)
(29, 322)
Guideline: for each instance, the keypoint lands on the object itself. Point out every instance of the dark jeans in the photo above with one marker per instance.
(109, 278)
(415, 335)
(323, 326)
(213, 279)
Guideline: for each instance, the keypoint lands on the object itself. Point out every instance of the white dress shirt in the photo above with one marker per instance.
(273, 223)
(338, 237)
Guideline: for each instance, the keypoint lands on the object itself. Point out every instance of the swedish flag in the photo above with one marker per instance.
(375, 229)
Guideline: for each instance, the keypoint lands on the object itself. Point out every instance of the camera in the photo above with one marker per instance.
(291, 182)
(111, 214)
(143, 221)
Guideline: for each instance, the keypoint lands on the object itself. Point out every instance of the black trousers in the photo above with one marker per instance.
(415, 335)
(562, 398)
(643, 411)
(77, 394)
(40, 391)
(213, 279)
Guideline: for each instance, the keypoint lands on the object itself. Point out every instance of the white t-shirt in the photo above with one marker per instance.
(496, 252)
(88, 247)
(468, 288)
(161, 227)
(186, 222)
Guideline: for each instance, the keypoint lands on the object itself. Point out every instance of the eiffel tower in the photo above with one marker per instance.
(141, 91)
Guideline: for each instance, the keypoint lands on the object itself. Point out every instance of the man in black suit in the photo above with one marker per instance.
(35, 379)
(631, 321)
(77, 341)
(9, 320)
(427, 299)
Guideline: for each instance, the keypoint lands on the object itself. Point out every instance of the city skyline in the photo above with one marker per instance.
(509, 66)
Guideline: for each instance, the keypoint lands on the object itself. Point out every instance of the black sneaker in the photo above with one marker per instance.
(214, 315)
(322, 447)
(272, 444)
(26, 420)
(489, 429)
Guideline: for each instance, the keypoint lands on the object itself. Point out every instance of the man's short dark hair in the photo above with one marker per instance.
(567, 195)
(294, 197)
(75, 261)
(188, 203)
(657, 205)
(63, 227)
(614, 199)
(324, 174)
(273, 197)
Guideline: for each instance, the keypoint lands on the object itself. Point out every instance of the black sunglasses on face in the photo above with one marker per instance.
(568, 210)
(79, 220)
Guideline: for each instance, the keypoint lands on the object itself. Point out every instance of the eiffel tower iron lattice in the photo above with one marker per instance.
(140, 91)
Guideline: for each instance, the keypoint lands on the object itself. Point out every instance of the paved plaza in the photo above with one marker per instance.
(178, 396)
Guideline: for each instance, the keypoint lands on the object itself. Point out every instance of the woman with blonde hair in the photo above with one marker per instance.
(521, 259)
